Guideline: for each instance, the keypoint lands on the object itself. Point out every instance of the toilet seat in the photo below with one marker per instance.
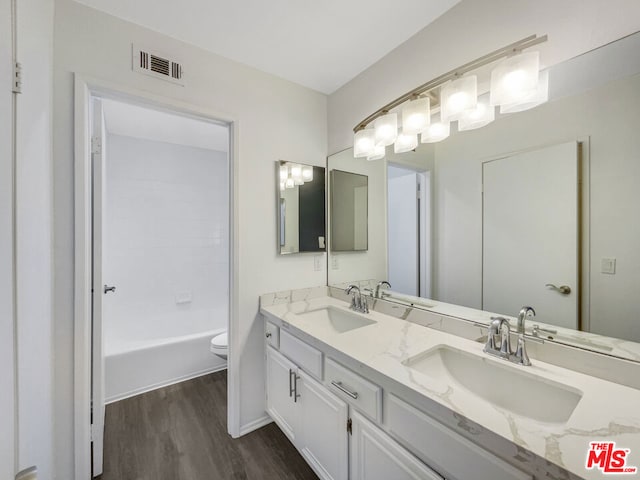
(219, 345)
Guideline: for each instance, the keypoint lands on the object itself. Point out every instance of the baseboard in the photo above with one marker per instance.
(255, 425)
(173, 381)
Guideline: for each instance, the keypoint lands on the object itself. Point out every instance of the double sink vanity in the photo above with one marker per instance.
(401, 392)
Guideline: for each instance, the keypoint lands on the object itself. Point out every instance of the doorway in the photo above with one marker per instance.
(409, 230)
(154, 219)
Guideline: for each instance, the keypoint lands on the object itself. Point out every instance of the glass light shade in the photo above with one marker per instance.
(405, 142)
(539, 96)
(386, 128)
(307, 173)
(416, 116)
(514, 78)
(289, 183)
(363, 142)
(435, 132)
(458, 96)
(282, 185)
(296, 171)
(284, 172)
(378, 153)
(480, 116)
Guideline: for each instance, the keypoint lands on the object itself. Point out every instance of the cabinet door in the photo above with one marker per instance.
(374, 455)
(280, 404)
(323, 429)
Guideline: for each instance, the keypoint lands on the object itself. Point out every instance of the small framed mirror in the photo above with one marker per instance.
(301, 208)
(349, 212)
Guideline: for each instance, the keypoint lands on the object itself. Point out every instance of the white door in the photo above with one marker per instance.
(530, 234)
(323, 429)
(280, 402)
(97, 368)
(374, 455)
(402, 230)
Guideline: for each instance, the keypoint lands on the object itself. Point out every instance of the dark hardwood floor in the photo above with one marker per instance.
(180, 433)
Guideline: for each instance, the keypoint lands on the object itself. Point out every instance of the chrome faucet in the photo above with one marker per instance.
(376, 293)
(525, 312)
(499, 340)
(358, 302)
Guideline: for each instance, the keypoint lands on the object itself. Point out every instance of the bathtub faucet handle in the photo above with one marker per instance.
(108, 289)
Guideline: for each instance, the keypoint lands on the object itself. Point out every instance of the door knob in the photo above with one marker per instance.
(108, 289)
(563, 289)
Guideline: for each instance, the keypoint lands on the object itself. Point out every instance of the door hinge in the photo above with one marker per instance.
(349, 426)
(96, 145)
(16, 84)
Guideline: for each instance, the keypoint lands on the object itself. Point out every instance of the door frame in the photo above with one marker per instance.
(84, 89)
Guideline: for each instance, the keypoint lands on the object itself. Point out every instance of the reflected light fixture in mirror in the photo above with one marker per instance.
(378, 153)
(458, 96)
(537, 97)
(386, 128)
(405, 142)
(436, 132)
(307, 173)
(480, 116)
(416, 115)
(363, 143)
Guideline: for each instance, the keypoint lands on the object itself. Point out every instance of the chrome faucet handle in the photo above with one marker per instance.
(364, 305)
(535, 331)
(497, 326)
(522, 358)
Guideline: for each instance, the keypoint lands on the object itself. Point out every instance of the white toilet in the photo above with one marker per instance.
(220, 344)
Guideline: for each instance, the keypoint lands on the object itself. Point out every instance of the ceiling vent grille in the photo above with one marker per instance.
(157, 65)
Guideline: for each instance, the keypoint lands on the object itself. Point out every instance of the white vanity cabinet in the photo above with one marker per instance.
(313, 418)
(373, 455)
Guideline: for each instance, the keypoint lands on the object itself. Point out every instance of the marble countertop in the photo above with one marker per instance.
(606, 412)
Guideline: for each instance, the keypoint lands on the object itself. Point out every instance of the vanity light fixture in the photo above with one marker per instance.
(457, 96)
(516, 84)
(363, 142)
(307, 173)
(416, 116)
(405, 142)
(289, 183)
(284, 172)
(386, 128)
(480, 116)
(436, 132)
(294, 174)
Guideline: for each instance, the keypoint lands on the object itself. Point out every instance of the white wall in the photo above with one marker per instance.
(166, 234)
(472, 29)
(276, 120)
(7, 365)
(372, 263)
(33, 237)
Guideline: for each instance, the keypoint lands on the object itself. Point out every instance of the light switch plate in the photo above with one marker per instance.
(609, 266)
(317, 262)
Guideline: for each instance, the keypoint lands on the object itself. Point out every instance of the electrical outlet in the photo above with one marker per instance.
(317, 262)
(335, 264)
(608, 266)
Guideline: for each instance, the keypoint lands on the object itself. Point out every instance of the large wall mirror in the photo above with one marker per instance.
(349, 211)
(301, 208)
(538, 208)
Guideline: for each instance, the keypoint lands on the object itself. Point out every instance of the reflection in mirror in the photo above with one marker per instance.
(301, 208)
(538, 208)
(349, 211)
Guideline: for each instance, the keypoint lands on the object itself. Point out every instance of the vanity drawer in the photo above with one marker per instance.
(444, 449)
(272, 334)
(357, 391)
(302, 354)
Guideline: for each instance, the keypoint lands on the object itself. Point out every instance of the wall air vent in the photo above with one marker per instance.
(157, 65)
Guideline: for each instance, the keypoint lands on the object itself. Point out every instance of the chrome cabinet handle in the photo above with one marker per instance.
(563, 289)
(108, 289)
(290, 383)
(296, 395)
(339, 386)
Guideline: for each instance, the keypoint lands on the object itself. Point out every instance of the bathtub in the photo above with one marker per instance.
(177, 348)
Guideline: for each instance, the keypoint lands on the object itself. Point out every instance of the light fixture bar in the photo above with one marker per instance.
(425, 88)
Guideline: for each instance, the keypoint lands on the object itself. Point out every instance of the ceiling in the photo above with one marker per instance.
(319, 44)
(148, 124)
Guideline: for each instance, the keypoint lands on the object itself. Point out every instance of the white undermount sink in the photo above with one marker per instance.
(506, 386)
(336, 319)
